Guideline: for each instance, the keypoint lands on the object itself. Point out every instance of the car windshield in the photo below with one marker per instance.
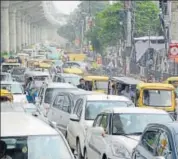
(18, 71)
(93, 108)
(3, 77)
(37, 147)
(51, 92)
(40, 78)
(13, 88)
(6, 68)
(136, 123)
(101, 85)
(72, 80)
(157, 98)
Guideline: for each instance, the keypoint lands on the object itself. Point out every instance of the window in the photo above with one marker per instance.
(58, 102)
(163, 147)
(66, 104)
(149, 141)
(80, 108)
(104, 122)
(77, 105)
(157, 98)
(97, 121)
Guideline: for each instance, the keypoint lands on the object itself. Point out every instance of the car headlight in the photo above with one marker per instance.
(120, 151)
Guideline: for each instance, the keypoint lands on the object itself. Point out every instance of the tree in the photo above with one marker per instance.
(147, 19)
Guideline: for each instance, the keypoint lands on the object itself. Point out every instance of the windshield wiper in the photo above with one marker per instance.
(135, 133)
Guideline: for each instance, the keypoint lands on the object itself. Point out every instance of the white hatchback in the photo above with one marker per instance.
(85, 111)
(116, 132)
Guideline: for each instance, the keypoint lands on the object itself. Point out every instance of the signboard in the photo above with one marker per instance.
(173, 51)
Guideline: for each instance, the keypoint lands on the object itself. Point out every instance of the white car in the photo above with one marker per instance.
(85, 111)
(116, 132)
(28, 137)
(16, 89)
(47, 93)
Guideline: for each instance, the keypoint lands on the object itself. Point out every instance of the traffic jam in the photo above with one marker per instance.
(60, 105)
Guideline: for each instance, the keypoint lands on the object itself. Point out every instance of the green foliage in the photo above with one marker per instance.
(146, 16)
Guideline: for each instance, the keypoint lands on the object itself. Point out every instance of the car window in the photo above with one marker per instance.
(76, 106)
(104, 122)
(163, 147)
(66, 104)
(97, 121)
(58, 102)
(149, 141)
(80, 108)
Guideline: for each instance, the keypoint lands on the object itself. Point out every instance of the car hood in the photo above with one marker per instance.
(19, 98)
(129, 141)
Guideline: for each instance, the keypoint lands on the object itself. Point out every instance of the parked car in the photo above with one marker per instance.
(85, 111)
(6, 76)
(67, 78)
(16, 89)
(62, 106)
(28, 137)
(159, 141)
(47, 93)
(116, 131)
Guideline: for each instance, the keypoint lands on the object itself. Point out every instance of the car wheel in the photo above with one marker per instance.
(78, 149)
(85, 154)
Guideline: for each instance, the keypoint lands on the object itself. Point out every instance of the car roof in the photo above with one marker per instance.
(11, 107)
(81, 92)
(9, 82)
(5, 73)
(68, 75)
(106, 97)
(60, 85)
(135, 110)
(172, 126)
(37, 73)
(127, 80)
(22, 124)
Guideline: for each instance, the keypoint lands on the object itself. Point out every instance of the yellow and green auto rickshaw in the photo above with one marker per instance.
(156, 95)
(97, 83)
(5, 96)
(76, 71)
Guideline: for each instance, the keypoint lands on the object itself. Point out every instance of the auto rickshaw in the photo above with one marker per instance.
(5, 96)
(117, 84)
(156, 95)
(76, 71)
(173, 81)
(32, 63)
(97, 83)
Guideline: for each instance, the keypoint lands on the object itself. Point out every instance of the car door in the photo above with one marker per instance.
(65, 112)
(148, 143)
(54, 113)
(73, 126)
(92, 152)
(100, 140)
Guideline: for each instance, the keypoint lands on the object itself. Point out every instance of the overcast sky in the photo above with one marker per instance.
(66, 7)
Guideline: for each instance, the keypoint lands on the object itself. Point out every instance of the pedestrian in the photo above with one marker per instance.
(82, 84)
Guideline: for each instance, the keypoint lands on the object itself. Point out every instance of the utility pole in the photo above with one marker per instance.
(82, 37)
(128, 7)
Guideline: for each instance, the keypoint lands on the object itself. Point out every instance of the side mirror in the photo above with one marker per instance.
(98, 131)
(74, 117)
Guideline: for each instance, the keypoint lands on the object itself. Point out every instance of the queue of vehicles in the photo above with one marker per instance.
(64, 121)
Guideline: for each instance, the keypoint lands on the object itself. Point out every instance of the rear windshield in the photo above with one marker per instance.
(51, 92)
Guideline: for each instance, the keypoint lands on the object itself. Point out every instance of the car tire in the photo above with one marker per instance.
(85, 154)
(78, 150)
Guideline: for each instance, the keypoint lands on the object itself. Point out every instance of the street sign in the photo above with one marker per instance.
(173, 50)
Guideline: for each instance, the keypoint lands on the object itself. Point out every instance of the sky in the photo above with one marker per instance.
(66, 7)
